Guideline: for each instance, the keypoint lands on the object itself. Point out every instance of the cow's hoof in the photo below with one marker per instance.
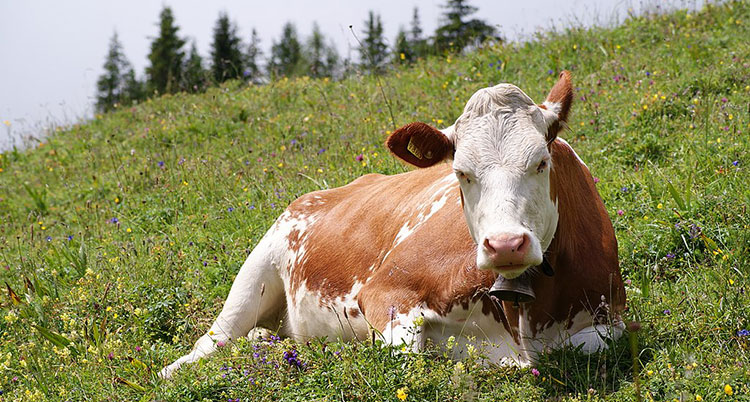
(259, 333)
(166, 372)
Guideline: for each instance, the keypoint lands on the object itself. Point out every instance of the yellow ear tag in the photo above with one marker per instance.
(413, 149)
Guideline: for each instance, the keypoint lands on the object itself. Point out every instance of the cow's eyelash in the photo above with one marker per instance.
(542, 165)
(462, 175)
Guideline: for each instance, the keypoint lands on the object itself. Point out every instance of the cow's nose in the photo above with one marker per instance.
(507, 248)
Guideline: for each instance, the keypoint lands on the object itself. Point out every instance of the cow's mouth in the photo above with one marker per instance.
(511, 267)
(511, 271)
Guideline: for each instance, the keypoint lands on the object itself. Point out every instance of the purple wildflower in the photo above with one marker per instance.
(735, 163)
(596, 180)
(550, 72)
(49, 238)
(293, 142)
(230, 209)
(321, 150)
(669, 256)
(743, 332)
(535, 372)
(161, 163)
(70, 237)
(667, 312)
(114, 220)
(392, 313)
(359, 158)
(695, 231)
(292, 359)
(625, 189)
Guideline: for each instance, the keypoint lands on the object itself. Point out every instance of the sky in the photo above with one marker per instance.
(52, 52)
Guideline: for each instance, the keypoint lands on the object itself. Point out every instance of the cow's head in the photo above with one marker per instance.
(499, 150)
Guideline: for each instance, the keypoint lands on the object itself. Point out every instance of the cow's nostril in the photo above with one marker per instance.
(488, 246)
(522, 242)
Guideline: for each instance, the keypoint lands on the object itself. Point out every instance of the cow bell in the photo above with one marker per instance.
(517, 290)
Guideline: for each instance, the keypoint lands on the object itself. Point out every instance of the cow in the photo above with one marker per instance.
(392, 257)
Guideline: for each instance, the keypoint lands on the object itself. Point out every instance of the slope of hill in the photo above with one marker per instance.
(121, 237)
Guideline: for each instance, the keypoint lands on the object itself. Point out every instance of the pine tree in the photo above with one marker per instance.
(134, 90)
(226, 51)
(252, 68)
(373, 49)
(321, 57)
(456, 33)
(417, 43)
(402, 51)
(286, 55)
(195, 76)
(112, 85)
(166, 57)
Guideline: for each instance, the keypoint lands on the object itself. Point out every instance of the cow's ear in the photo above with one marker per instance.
(420, 144)
(557, 105)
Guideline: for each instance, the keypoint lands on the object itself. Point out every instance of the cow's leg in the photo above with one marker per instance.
(256, 296)
(595, 338)
(406, 331)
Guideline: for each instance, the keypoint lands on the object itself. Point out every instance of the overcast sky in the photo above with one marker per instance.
(51, 52)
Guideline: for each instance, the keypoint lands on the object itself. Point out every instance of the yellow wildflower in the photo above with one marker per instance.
(728, 390)
(698, 398)
(401, 394)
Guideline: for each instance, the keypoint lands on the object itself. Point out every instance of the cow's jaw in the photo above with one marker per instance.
(503, 166)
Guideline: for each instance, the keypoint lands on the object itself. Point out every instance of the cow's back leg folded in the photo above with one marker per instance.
(255, 299)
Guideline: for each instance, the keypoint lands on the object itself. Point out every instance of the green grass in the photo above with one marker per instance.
(119, 263)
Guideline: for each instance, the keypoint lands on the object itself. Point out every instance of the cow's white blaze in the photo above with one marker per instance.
(503, 165)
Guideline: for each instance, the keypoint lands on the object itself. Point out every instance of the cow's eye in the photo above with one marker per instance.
(542, 166)
(462, 176)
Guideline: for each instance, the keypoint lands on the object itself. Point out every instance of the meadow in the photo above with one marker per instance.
(120, 237)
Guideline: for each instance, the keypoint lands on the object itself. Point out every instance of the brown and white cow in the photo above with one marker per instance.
(412, 256)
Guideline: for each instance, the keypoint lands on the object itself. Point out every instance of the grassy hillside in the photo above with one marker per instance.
(121, 236)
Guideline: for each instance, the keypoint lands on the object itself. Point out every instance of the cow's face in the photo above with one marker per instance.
(499, 151)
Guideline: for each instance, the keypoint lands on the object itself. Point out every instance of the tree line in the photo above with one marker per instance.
(172, 69)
